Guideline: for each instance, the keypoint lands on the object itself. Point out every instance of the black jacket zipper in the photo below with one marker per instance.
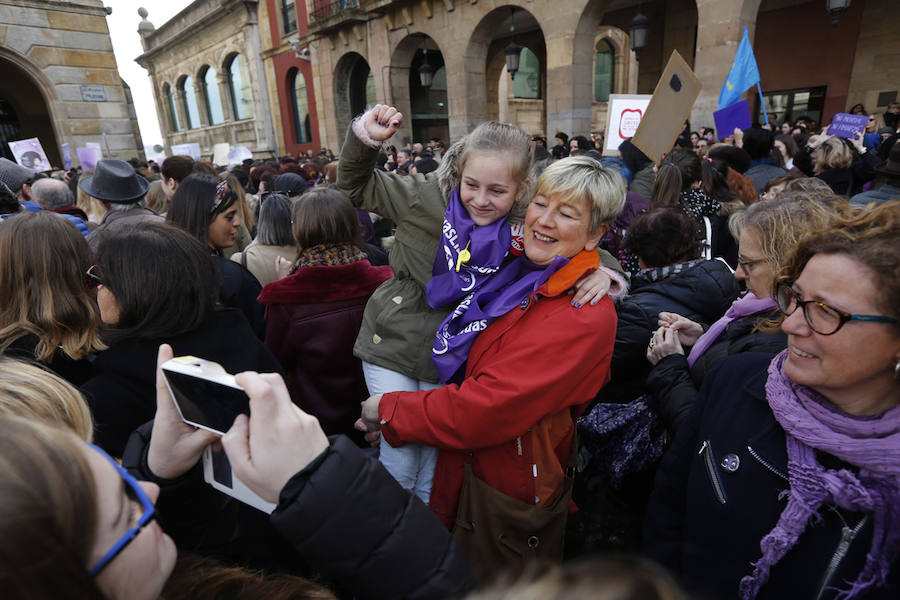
(718, 488)
(847, 537)
(766, 464)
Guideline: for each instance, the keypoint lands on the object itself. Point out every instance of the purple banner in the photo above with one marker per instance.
(67, 157)
(733, 116)
(847, 126)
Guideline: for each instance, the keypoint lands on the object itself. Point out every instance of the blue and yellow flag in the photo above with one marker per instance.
(743, 75)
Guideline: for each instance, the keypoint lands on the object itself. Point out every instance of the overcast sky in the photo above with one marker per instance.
(123, 24)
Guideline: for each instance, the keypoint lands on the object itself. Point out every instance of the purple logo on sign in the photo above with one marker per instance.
(847, 126)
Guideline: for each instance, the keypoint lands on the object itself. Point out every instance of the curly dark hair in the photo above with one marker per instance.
(664, 236)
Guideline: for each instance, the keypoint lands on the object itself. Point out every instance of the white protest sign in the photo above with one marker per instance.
(220, 154)
(238, 154)
(192, 150)
(623, 116)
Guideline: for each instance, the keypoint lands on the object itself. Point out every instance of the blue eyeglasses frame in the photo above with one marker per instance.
(149, 512)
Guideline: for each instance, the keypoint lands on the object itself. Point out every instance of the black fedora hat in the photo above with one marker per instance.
(115, 181)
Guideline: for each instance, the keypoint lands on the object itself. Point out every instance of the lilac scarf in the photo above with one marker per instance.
(482, 248)
(740, 308)
(811, 423)
(510, 287)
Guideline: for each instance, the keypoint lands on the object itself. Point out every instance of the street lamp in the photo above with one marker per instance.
(638, 31)
(513, 50)
(426, 71)
(836, 8)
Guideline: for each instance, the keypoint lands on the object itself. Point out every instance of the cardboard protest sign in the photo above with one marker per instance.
(67, 157)
(847, 126)
(623, 117)
(220, 154)
(30, 154)
(238, 154)
(670, 106)
(192, 150)
(89, 157)
(733, 115)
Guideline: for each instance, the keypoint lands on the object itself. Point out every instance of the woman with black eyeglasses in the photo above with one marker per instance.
(785, 482)
(683, 352)
(155, 283)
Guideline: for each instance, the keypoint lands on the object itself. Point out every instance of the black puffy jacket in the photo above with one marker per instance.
(701, 293)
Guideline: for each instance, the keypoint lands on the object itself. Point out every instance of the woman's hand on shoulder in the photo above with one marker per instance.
(381, 122)
(276, 442)
(688, 331)
(591, 288)
(175, 446)
(663, 343)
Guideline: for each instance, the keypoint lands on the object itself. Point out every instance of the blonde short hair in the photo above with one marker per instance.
(833, 153)
(27, 390)
(583, 179)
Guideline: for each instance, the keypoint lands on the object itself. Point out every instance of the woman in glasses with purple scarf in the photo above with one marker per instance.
(785, 481)
(683, 351)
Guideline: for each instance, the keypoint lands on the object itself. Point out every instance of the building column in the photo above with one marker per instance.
(262, 112)
(720, 26)
(200, 99)
(181, 107)
(225, 95)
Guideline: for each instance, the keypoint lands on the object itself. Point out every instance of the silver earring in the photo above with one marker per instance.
(897, 371)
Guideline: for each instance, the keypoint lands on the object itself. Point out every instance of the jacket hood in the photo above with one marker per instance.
(326, 284)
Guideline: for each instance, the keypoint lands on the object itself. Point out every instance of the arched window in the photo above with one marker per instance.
(190, 102)
(211, 96)
(174, 121)
(302, 128)
(239, 87)
(604, 71)
(527, 83)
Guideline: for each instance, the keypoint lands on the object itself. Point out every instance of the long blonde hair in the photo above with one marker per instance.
(43, 259)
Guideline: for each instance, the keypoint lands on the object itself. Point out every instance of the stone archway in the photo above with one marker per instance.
(426, 109)
(25, 110)
(354, 88)
(485, 60)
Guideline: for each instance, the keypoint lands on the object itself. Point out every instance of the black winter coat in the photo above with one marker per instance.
(122, 395)
(343, 516)
(701, 293)
(240, 289)
(672, 385)
(705, 523)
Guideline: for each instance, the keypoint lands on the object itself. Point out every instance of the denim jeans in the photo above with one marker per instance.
(411, 465)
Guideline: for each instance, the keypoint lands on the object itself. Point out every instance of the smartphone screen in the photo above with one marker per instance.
(207, 403)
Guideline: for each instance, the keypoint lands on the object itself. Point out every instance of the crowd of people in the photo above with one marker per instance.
(465, 364)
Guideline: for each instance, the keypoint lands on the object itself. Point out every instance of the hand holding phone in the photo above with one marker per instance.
(278, 439)
(175, 446)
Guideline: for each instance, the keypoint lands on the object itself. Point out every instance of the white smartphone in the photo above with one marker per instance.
(207, 397)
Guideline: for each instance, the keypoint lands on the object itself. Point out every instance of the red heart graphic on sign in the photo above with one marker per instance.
(629, 121)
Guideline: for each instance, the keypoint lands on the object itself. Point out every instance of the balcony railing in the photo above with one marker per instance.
(325, 9)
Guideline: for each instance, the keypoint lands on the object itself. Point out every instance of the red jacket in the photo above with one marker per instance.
(529, 375)
(312, 320)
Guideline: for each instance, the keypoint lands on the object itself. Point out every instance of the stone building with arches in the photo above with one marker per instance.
(208, 78)
(576, 52)
(59, 81)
